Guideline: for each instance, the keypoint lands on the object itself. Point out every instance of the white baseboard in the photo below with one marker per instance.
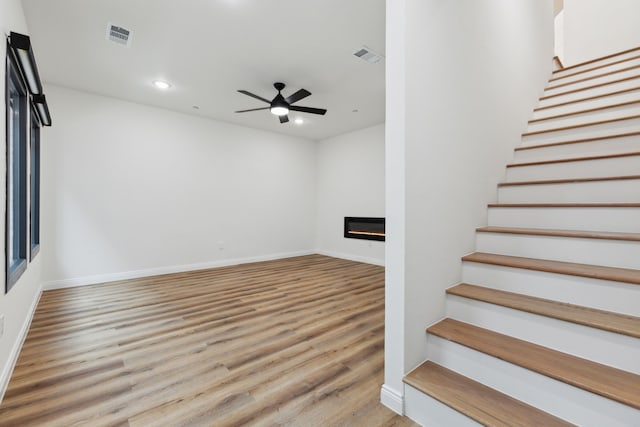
(7, 370)
(392, 399)
(111, 277)
(358, 258)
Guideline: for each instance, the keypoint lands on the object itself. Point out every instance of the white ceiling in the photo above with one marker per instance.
(208, 49)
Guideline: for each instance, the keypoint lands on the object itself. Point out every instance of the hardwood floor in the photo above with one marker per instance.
(296, 342)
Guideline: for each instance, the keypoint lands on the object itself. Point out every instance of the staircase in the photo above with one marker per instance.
(545, 328)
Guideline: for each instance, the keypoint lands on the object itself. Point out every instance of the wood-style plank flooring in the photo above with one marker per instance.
(296, 342)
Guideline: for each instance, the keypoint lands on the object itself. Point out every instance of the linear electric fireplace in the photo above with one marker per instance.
(364, 228)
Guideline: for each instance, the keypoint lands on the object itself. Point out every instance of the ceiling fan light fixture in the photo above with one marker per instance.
(279, 110)
(279, 106)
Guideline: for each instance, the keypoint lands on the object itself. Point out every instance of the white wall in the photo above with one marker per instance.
(350, 183)
(16, 306)
(594, 28)
(558, 42)
(130, 190)
(462, 80)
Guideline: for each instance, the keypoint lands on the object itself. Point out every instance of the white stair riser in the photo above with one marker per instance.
(588, 104)
(619, 351)
(579, 119)
(591, 148)
(610, 253)
(555, 397)
(623, 220)
(603, 62)
(598, 71)
(618, 191)
(591, 131)
(587, 93)
(601, 294)
(554, 89)
(578, 169)
(427, 411)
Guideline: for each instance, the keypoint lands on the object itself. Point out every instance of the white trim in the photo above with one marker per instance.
(110, 277)
(357, 258)
(7, 370)
(392, 399)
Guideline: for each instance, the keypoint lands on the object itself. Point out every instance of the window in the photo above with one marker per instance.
(34, 152)
(16, 218)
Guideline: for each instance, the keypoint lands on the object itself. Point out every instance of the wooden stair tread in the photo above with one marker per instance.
(575, 159)
(626, 79)
(578, 141)
(564, 205)
(582, 125)
(601, 58)
(483, 404)
(590, 110)
(608, 73)
(604, 235)
(569, 180)
(558, 62)
(553, 79)
(600, 319)
(612, 383)
(599, 272)
(590, 98)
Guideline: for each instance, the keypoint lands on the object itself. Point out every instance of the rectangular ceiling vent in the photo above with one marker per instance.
(118, 35)
(367, 54)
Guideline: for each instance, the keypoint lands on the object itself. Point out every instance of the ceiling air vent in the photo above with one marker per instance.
(367, 54)
(118, 35)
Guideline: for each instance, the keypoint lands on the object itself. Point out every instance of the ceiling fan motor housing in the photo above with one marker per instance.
(279, 102)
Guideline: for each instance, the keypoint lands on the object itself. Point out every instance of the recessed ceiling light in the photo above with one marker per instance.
(299, 121)
(160, 84)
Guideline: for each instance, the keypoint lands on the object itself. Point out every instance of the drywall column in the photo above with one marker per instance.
(462, 80)
(392, 393)
(558, 45)
(594, 28)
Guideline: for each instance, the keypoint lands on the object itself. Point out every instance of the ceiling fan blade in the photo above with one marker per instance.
(284, 119)
(308, 109)
(255, 96)
(302, 93)
(253, 109)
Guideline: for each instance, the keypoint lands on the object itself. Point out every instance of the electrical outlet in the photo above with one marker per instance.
(1, 325)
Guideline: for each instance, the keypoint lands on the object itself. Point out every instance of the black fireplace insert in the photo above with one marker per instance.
(366, 228)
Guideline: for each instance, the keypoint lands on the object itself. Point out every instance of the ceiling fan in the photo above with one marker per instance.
(280, 106)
